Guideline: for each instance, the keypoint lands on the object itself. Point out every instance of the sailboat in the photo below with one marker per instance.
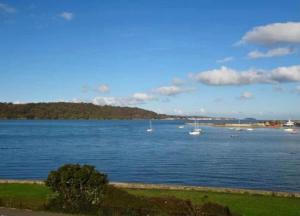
(196, 131)
(150, 126)
(289, 124)
(239, 128)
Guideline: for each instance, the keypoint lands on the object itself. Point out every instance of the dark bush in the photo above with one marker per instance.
(82, 189)
(174, 206)
(78, 189)
(213, 209)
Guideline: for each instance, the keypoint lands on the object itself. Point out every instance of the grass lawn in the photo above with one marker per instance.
(35, 196)
(30, 196)
(245, 204)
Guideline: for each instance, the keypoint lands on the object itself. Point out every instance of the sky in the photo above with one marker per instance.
(212, 58)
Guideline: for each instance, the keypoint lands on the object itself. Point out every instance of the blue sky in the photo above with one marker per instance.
(218, 58)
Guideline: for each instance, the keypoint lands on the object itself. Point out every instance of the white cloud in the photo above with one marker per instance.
(103, 88)
(228, 76)
(224, 60)
(202, 110)
(288, 32)
(286, 74)
(171, 90)
(246, 96)
(77, 100)
(67, 15)
(142, 96)
(112, 101)
(177, 111)
(177, 82)
(7, 8)
(74, 100)
(282, 51)
(19, 102)
(135, 99)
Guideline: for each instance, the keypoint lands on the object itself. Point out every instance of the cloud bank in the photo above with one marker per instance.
(135, 99)
(171, 90)
(177, 82)
(228, 76)
(288, 32)
(281, 51)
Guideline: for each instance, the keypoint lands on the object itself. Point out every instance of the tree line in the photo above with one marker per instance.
(64, 110)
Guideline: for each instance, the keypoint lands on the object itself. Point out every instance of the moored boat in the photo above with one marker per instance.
(196, 131)
(150, 126)
(289, 123)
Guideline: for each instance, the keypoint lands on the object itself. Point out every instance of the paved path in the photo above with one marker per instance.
(23, 212)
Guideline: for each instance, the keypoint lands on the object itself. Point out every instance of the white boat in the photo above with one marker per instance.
(181, 126)
(150, 129)
(196, 131)
(239, 128)
(250, 129)
(289, 123)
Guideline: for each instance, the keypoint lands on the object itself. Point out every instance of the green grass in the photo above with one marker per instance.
(244, 204)
(31, 196)
(35, 196)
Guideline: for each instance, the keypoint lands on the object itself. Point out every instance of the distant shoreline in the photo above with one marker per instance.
(127, 185)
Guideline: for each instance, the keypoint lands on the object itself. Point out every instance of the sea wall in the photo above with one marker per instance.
(176, 187)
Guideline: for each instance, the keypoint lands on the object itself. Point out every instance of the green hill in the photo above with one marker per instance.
(62, 110)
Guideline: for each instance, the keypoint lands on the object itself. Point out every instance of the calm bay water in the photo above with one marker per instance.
(261, 159)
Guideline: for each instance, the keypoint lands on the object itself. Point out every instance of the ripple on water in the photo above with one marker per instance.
(260, 159)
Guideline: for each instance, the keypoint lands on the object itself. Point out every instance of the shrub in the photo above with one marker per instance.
(78, 189)
(213, 209)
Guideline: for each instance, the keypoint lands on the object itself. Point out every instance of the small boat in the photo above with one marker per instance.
(250, 129)
(196, 131)
(150, 126)
(239, 128)
(289, 123)
(181, 126)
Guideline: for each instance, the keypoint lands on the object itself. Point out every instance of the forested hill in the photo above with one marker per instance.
(62, 110)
